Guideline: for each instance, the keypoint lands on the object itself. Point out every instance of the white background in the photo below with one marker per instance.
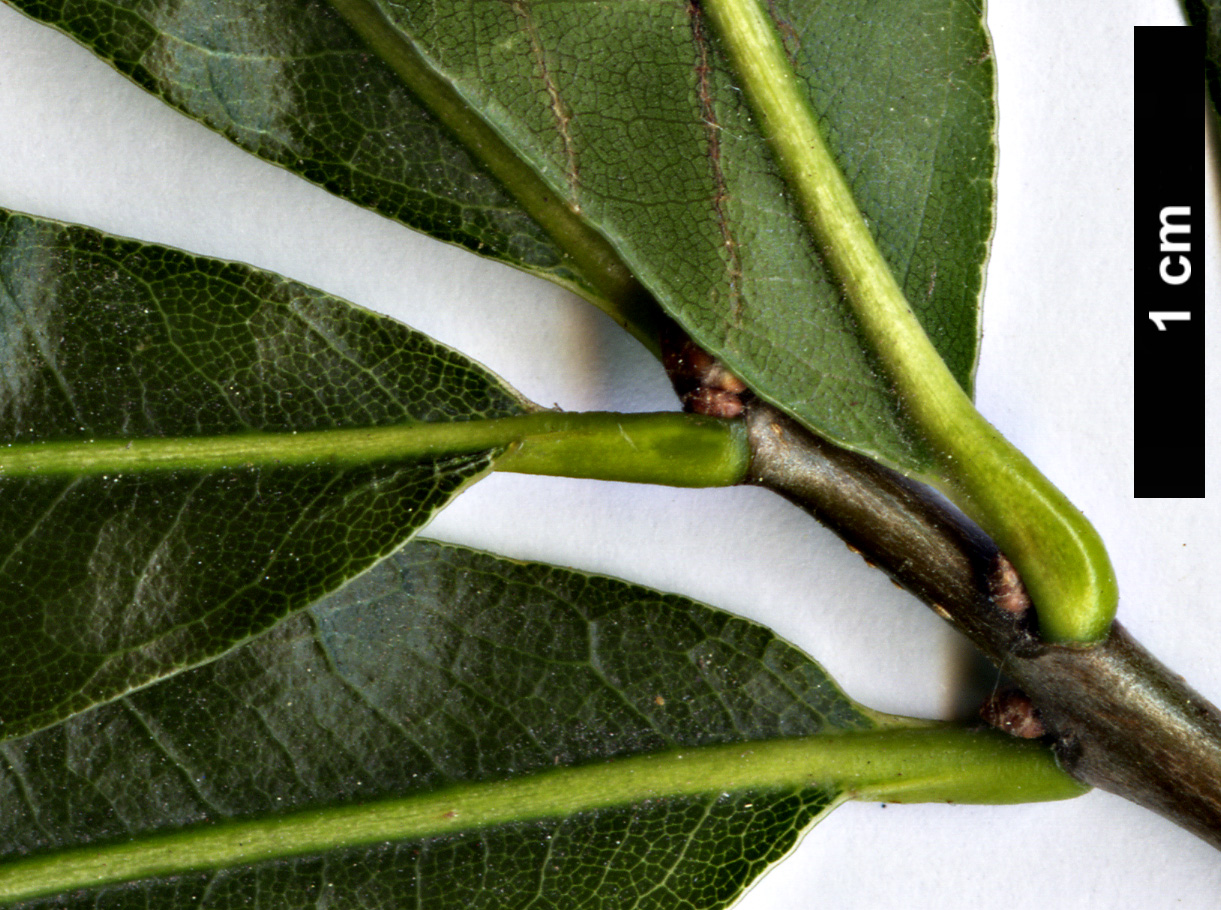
(81, 144)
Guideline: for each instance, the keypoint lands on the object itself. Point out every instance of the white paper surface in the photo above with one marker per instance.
(79, 143)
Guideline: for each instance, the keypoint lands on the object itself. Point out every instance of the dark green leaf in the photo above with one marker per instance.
(294, 86)
(107, 581)
(627, 111)
(563, 740)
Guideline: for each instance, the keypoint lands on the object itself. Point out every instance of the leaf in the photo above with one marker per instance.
(110, 580)
(294, 86)
(628, 112)
(559, 738)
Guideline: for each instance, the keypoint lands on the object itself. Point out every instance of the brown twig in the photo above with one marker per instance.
(1117, 718)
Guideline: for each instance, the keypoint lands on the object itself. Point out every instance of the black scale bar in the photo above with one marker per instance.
(1169, 263)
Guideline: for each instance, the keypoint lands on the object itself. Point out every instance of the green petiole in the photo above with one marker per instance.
(664, 448)
(931, 763)
(1055, 549)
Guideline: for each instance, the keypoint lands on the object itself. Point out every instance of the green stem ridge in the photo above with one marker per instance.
(1057, 552)
(616, 291)
(664, 448)
(925, 764)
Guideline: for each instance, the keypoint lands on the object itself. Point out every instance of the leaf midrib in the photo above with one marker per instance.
(932, 763)
(662, 447)
(338, 446)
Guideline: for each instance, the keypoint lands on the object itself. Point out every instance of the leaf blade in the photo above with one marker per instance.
(110, 580)
(251, 79)
(441, 678)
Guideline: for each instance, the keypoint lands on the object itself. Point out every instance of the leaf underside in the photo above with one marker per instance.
(107, 582)
(628, 111)
(441, 666)
(291, 83)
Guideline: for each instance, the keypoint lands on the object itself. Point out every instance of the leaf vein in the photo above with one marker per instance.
(559, 108)
(712, 132)
(23, 785)
(176, 761)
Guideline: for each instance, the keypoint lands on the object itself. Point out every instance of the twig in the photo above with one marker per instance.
(1118, 719)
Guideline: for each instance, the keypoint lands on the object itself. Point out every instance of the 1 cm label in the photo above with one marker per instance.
(1174, 270)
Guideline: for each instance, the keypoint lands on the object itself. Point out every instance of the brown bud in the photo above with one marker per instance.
(1013, 712)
